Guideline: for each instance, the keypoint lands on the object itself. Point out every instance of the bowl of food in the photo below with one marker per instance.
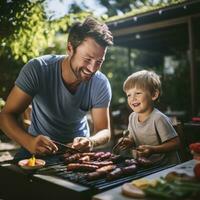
(31, 163)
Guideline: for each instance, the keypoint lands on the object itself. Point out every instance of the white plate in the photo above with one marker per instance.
(38, 164)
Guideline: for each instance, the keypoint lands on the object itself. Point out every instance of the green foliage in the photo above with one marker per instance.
(125, 6)
(26, 32)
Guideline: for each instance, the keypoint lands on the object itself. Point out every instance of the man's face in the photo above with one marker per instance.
(87, 59)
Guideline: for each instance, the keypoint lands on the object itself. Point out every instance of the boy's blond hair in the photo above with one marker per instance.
(147, 80)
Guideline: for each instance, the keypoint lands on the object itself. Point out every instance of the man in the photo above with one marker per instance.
(62, 89)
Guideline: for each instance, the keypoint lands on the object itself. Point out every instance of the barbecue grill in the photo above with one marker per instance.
(55, 182)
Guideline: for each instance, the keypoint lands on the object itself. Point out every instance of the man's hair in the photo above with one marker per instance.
(90, 28)
(147, 80)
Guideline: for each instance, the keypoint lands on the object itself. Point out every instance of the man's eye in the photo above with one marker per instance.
(99, 62)
(87, 59)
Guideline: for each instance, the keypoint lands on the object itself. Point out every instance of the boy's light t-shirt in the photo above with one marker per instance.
(155, 130)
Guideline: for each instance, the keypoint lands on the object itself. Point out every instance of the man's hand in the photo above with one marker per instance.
(124, 143)
(42, 145)
(83, 144)
(145, 150)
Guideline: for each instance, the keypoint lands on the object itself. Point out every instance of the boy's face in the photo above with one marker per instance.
(140, 100)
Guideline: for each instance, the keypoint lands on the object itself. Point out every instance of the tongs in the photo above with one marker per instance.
(68, 149)
(125, 134)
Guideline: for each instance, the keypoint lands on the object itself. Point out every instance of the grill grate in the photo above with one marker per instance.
(60, 170)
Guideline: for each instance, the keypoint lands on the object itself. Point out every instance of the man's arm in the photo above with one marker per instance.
(16, 103)
(101, 121)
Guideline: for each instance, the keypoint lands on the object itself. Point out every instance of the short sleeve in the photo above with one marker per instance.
(28, 79)
(165, 129)
(102, 93)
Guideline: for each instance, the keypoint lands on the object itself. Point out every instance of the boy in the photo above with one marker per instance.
(150, 131)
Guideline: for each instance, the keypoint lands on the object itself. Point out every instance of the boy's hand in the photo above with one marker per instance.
(145, 150)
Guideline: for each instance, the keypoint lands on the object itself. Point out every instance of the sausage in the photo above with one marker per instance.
(91, 154)
(98, 154)
(116, 173)
(72, 158)
(98, 163)
(106, 168)
(95, 175)
(129, 169)
(131, 162)
(104, 156)
(84, 158)
(100, 173)
(81, 167)
(144, 162)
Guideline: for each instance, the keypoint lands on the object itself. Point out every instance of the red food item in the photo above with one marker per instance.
(197, 170)
(195, 147)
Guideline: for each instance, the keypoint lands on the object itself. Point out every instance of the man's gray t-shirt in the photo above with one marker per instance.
(155, 130)
(55, 111)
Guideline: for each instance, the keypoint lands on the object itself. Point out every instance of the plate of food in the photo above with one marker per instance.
(173, 186)
(31, 163)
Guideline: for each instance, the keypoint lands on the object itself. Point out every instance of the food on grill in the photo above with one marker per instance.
(98, 163)
(84, 158)
(106, 168)
(72, 158)
(116, 173)
(131, 162)
(95, 175)
(81, 167)
(98, 154)
(100, 173)
(104, 156)
(90, 154)
(129, 169)
(144, 162)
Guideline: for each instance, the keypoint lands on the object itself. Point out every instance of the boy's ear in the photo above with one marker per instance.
(155, 95)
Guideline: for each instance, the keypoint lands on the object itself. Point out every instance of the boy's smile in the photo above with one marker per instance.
(140, 100)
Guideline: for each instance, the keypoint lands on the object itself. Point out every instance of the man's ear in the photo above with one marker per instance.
(155, 95)
(69, 48)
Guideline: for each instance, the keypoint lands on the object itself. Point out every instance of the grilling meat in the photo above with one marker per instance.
(73, 158)
(100, 173)
(98, 163)
(132, 161)
(104, 156)
(130, 169)
(95, 175)
(144, 162)
(81, 167)
(116, 173)
(84, 158)
(106, 168)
